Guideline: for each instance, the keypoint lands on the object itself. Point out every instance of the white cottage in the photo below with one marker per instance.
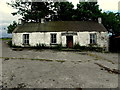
(67, 33)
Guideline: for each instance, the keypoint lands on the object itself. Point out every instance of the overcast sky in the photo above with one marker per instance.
(6, 18)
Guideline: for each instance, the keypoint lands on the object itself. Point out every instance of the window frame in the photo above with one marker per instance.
(53, 38)
(25, 39)
(93, 38)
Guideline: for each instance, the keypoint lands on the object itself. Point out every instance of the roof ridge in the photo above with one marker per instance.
(61, 26)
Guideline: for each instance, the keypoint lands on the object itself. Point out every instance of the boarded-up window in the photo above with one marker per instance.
(53, 38)
(93, 38)
(26, 39)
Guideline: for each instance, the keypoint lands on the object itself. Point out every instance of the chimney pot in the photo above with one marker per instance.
(100, 20)
(42, 20)
(20, 21)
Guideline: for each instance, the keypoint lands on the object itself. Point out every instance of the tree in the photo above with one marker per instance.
(31, 11)
(22, 8)
(64, 11)
(111, 21)
(11, 27)
(87, 11)
(40, 10)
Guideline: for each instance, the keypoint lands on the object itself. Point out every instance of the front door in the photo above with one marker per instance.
(69, 41)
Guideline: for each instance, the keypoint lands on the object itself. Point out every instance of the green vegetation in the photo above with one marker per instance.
(58, 47)
(48, 60)
(64, 11)
(11, 27)
(60, 61)
(88, 48)
(5, 38)
(12, 45)
(40, 46)
(77, 46)
(9, 43)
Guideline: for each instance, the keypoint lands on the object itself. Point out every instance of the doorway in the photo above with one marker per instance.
(69, 41)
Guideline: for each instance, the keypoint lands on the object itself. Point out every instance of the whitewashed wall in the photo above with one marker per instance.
(83, 38)
(35, 38)
(102, 39)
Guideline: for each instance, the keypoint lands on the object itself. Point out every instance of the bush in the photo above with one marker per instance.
(76, 46)
(91, 47)
(12, 45)
(82, 47)
(58, 47)
(9, 43)
(40, 46)
(95, 47)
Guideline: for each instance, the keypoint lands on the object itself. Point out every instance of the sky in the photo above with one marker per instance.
(6, 17)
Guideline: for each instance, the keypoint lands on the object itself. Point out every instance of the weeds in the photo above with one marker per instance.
(60, 61)
(9, 43)
(40, 46)
(77, 46)
(90, 47)
(5, 38)
(12, 45)
(108, 69)
(58, 47)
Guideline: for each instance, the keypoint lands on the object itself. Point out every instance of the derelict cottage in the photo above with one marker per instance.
(67, 33)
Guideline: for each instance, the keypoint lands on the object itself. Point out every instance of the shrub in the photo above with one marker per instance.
(9, 43)
(82, 47)
(12, 45)
(91, 47)
(95, 47)
(76, 46)
(58, 47)
(40, 46)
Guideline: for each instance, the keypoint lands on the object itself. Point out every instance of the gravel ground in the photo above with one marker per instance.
(57, 69)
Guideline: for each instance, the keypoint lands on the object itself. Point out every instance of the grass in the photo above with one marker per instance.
(99, 57)
(60, 61)
(115, 71)
(47, 60)
(5, 38)
(91, 47)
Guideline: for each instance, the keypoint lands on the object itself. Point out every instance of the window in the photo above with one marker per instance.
(26, 39)
(93, 39)
(53, 38)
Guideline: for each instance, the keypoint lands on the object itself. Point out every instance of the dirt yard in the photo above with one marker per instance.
(57, 69)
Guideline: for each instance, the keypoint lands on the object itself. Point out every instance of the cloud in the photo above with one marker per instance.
(6, 18)
(5, 13)
(108, 5)
(3, 33)
(119, 6)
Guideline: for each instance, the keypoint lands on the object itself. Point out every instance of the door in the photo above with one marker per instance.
(69, 41)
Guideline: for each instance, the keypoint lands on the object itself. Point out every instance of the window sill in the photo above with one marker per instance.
(26, 44)
(93, 44)
(53, 44)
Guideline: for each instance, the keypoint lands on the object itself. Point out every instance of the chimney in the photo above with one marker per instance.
(20, 21)
(100, 20)
(42, 20)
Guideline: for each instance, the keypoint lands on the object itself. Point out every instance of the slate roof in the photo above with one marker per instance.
(58, 26)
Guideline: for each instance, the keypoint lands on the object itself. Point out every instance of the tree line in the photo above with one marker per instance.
(64, 11)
